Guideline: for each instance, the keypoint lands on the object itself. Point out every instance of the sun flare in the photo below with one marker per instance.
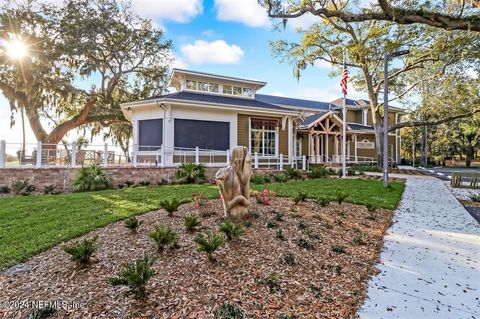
(16, 49)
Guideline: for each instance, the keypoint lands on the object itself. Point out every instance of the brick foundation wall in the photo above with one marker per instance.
(63, 177)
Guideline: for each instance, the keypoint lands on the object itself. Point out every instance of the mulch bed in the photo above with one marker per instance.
(322, 284)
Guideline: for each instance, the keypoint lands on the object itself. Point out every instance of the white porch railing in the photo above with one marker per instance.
(72, 155)
(354, 160)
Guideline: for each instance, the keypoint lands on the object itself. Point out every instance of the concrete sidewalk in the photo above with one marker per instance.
(430, 265)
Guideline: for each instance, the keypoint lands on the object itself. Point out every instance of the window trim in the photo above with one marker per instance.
(277, 139)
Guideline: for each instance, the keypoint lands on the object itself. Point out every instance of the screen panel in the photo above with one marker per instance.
(210, 135)
(150, 134)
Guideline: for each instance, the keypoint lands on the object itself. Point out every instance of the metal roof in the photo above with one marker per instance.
(360, 127)
(297, 103)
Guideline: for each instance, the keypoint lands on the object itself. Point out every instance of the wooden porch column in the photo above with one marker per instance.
(335, 145)
(317, 145)
(322, 145)
(326, 146)
(355, 141)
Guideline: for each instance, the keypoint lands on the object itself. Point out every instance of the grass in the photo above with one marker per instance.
(31, 224)
(359, 191)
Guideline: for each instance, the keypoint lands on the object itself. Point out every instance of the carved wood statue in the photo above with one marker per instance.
(234, 183)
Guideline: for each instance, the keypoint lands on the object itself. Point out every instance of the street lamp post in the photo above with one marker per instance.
(387, 56)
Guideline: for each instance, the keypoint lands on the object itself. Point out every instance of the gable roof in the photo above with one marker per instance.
(217, 100)
(291, 102)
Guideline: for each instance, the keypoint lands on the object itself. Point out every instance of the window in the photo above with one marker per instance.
(209, 135)
(203, 86)
(227, 89)
(247, 92)
(150, 134)
(213, 87)
(191, 85)
(237, 90)
(263, 137)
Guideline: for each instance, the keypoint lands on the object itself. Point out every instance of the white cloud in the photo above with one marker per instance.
(176, 10)
(304, 22)
(248, 12)
(179, 63)
(278, 94)
(322, 64)
(216, 52)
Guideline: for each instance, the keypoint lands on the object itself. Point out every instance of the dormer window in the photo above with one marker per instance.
(191, 85)
(213, 87)
(227, 89)
(247, 92)
(203, 86)
(237, 90)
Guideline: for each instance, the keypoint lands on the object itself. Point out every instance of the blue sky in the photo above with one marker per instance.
(228, 37)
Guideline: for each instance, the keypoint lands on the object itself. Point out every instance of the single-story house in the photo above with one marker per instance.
(210, 114)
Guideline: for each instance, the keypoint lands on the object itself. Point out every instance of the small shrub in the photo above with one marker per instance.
(340, 196)
(232, 230)
(135, 276)
(351, 172)
(171, 205)
(22, 187)
(42, 313)
(339, 249)
(144, 183)
(49, 189)
(303, 243)
(474, 197)
(199, 199)
(289, 258)
(190, 173)
(371, 207)
(272, 281)
(279, 234)
(300, 197)
(264, 197)
(191, 222)
(278, 216)
(164, 236)
(366, 168)
(293, 173)
(257, 179)
(92, 178)
(272, 224)
(358, 239)
(133, 223)
(129, 183)
(209, 243)
(280, 178)
(322, 201)
(81, 251)
(229, 311)
(4, 189)
(162, 182)
(318, 172)
(267, 179)
(302, 225)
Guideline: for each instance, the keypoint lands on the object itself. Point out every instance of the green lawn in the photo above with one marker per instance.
(31, 224)
(359, 191)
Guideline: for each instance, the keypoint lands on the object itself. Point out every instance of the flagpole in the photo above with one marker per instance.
(344, 110)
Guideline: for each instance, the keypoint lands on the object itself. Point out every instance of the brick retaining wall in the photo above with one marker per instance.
(63, 177)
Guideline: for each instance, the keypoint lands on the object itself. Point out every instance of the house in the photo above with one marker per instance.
(210, 114)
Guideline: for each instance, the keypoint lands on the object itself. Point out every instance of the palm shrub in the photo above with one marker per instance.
(164, 236)
(4, 189)
(49, 189)
(209, 243)
(190, 173)
(229, 311)
(474, 197)
(22, 187)
(293, 173)
(92, 178)
(133, 223)
(322, 201)
(135, 276)
(280, 178)
(81, 251)
(300, 197)
(341, 196)
(191, 222)
(232, 230)
(171, 205)
(318, 172)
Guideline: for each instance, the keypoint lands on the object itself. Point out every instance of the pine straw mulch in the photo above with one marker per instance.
(322, 283)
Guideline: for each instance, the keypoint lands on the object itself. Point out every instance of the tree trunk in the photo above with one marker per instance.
(469, 155)
(378, 129)
(424, 147)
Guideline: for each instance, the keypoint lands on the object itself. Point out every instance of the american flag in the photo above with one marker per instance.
(344, 81)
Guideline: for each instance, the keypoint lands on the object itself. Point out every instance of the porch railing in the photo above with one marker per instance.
(37, 155)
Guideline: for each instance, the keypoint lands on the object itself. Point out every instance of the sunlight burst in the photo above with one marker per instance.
(16, 49)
